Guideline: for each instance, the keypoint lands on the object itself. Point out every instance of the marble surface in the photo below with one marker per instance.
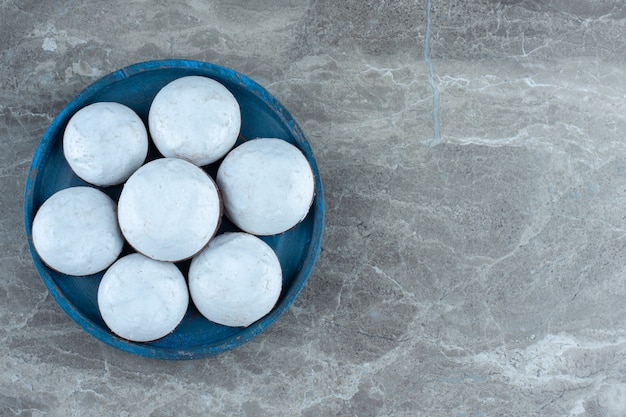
(474, 161)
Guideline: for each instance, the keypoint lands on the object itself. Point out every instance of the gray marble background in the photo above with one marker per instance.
(474, 161)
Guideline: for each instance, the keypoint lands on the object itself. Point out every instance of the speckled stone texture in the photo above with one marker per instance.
(474, 161)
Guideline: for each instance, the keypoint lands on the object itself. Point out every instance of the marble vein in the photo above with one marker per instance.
(436, 139)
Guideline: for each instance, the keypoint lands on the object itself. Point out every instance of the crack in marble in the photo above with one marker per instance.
(409, 294)
(389, 73)
(23, 322)
(436, 139)
(543, 137)
(544, 361)
(7, 170)
(352, 378)
(526, 54)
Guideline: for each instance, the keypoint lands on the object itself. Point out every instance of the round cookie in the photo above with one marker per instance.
(141, 299)
(104, 143)
(75, 231)
(267, 185)
(169, 209)
(235, 280)
(194, 118)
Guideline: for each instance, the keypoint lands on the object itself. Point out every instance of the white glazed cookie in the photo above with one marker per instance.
(267, 186)
(235, 280)
(194, 118)
(75, 231)
(169, 209)
(141, 299)
(104, 143)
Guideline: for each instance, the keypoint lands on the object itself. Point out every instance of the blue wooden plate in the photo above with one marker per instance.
(262, 116)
